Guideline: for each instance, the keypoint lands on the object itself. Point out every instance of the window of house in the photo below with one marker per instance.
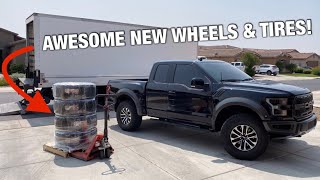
(161, 73)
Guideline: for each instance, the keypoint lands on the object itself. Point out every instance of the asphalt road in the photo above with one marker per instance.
(311, 84)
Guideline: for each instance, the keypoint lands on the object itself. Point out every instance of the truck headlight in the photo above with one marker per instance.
(279, 106)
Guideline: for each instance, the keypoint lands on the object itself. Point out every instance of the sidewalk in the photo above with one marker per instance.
(6, 89)
(316, 98)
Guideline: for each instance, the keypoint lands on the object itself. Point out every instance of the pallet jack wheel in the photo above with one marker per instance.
(105, 154)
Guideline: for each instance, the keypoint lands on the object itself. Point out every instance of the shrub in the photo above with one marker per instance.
(3, 82)
(298, 70)
(16, 68)
(307, 71)
(250, 71)
(291, 67)
(280, 65)
(249, 60)
(16, 76)
(316, 71)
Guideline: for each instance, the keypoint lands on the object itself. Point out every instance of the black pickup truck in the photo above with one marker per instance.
(217, 96)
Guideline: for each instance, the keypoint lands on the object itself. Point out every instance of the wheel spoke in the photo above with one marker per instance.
(236, 131)
(235, 139)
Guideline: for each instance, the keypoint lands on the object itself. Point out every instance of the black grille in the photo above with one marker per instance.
(303, 106)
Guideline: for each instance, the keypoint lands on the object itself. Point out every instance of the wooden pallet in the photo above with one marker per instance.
(50, 148)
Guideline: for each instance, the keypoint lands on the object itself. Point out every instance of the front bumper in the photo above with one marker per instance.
(290, 128)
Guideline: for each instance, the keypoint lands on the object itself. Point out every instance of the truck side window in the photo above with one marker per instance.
(161, 73)
(184, 73)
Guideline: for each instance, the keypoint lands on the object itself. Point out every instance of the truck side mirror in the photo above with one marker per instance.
(197, 83)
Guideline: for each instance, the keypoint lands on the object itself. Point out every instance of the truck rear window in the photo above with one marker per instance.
(161, 73)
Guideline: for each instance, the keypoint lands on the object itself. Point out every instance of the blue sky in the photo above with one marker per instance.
(172, 13)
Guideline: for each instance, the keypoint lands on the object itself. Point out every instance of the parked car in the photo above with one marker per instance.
(216, 96)
(256, 69)
(238, 65)
(307, 67)
(269, 69)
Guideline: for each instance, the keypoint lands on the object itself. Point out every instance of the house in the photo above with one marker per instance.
(267, 56)
(9, 42)
(305, 59)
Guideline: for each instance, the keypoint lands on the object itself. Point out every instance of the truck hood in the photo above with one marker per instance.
(268, 85)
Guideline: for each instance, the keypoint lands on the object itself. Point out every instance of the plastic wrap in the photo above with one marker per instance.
(75, 115)
(74, 107)
(75, 123)
(72, 141)
(74, 90)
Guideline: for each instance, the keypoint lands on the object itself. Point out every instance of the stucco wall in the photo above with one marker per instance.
(300, 63)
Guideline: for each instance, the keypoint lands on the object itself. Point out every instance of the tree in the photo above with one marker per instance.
(249, 60)
(291, 67)
(280, 65)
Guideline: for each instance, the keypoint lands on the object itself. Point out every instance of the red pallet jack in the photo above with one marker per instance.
(100, 146)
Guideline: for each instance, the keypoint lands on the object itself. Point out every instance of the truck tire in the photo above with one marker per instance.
(244, 136)
(127, 116)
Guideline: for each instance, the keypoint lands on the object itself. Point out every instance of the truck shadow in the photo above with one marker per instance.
(280, 157)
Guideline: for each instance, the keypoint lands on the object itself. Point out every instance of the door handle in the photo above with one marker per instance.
(172, 92)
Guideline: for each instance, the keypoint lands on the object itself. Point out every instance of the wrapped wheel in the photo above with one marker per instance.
(74, 107)
(74, 90)
(75, 123)
(71, 141)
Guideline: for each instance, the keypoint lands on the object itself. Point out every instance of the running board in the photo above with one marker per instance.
(179, 123)
(11, 109)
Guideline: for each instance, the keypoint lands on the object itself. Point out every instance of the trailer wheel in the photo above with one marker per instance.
(244, 137)
(127, 116)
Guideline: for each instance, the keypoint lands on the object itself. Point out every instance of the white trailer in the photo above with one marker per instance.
(97, 65)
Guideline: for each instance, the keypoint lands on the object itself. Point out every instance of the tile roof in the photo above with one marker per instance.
(301, 56)
(1, 29)
(232, 51)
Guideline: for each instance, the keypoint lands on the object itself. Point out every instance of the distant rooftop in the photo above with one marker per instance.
(232, 51)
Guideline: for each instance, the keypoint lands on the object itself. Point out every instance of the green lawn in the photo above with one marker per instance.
(301, 75)
(3, 82)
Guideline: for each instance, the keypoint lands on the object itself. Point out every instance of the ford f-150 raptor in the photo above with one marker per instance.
(215, 95)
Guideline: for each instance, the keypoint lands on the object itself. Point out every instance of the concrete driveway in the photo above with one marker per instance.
(156, 151)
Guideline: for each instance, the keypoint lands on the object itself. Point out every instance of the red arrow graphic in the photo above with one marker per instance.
(36, 103)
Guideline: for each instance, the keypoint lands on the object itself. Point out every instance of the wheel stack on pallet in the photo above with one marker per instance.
(75, 115)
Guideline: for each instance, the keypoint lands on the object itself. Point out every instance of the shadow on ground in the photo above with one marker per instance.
(275, 160)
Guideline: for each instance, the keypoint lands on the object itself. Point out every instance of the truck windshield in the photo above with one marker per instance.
(221, 72)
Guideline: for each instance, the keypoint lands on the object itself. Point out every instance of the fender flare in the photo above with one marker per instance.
(240, 101)
(133, 96)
